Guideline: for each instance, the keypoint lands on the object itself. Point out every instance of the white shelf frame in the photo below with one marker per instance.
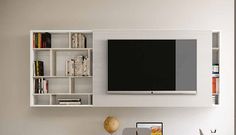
(52, 72)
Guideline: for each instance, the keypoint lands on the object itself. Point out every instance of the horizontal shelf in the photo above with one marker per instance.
(63, 31)
(61, 105)
(215, 48)
(35, 77)
(49, 94)
(62, 49)
(214, 94)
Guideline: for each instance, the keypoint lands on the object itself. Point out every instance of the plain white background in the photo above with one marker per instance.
(17, 18)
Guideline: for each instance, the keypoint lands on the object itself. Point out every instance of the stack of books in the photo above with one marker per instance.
(78, 40)
(79, 66)
(38, 68)
(215, 83)
(69, 101)
(40, 86)
(42, 40)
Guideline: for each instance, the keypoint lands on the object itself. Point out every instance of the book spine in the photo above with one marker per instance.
(67, 70)
(36, 86)
(76, 40)
(34, 69)
(85, 42)
(79, 66)
(39, 87)
(39, 40)
(45, 86)
(80, 39)
(36, 40)
(37, 68)
(217, 85)
(70, 67)
(73, 41)
(85, 66)
(42, 68)
(48, 43)
(215, 68)
(213, 85)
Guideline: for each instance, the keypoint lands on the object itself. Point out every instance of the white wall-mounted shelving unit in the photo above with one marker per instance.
(74, 87)
(59, 85)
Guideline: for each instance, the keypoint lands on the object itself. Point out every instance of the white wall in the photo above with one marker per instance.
(18, 17)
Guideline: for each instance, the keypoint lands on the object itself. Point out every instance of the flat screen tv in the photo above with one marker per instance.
(152, 66)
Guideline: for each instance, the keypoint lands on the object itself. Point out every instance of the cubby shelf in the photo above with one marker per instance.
(60, 85)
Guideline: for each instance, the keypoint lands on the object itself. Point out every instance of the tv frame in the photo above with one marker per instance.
(151, 92)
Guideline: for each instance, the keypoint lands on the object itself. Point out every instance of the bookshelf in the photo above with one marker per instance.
(216, 68)
(60, 85)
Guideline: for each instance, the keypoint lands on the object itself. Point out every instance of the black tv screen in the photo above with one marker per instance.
(151, 65)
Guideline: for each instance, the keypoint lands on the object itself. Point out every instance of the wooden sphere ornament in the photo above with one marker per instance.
(111, 124)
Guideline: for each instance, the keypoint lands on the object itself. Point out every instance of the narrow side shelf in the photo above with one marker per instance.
(216, 68)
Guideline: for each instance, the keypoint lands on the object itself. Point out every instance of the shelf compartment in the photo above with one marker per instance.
(215, 57)
(85, 99)
(82, 85)
(58, 85)
(62, 56)
(60, 40)
(89, 39)
(41, 99)
(215, 39)
(45, 57)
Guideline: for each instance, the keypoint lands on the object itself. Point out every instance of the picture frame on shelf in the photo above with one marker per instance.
(156, 127)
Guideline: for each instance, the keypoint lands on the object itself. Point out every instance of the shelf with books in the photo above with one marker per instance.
(216, 68)
(71, 100)
(49, 75)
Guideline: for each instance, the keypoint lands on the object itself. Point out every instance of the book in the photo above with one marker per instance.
(78, 40)
(79, 66)
(70, 67)
(36, 86)
(215, 85)
(70, 101)
(86, 66)
(36, 40)
(38, 68)
(42, 40)
(47, 41)
(39, 40)
(45, 86)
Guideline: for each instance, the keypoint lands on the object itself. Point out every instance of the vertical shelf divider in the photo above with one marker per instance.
(52, 63)
(71, 85)
(69, 40)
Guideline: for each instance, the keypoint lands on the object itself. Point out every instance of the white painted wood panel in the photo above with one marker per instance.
(204, 57)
